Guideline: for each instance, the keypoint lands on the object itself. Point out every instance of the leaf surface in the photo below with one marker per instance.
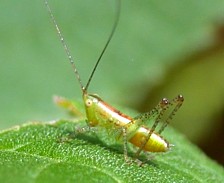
(38, 152)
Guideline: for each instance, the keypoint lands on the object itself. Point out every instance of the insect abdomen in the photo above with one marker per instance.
(155, 143)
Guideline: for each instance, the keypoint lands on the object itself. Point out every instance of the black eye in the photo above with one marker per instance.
(89, 102)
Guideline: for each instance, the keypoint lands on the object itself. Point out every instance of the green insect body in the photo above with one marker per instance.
(99, 113)
(128, 129)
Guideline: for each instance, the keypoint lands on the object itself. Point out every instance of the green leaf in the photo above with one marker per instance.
(41, 152)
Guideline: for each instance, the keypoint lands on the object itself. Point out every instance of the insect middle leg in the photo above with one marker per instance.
(125, 143)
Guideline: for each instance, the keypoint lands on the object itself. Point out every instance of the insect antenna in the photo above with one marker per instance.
(71, 60)
(106, 45)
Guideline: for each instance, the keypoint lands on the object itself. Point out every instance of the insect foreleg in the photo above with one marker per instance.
(81, 130)
(68, 105)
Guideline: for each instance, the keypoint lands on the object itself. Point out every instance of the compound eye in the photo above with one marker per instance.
(89, 102)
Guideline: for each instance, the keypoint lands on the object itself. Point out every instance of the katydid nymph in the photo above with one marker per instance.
(130, 130)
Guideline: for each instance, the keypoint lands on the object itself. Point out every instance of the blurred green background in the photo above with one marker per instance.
(160, 49)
